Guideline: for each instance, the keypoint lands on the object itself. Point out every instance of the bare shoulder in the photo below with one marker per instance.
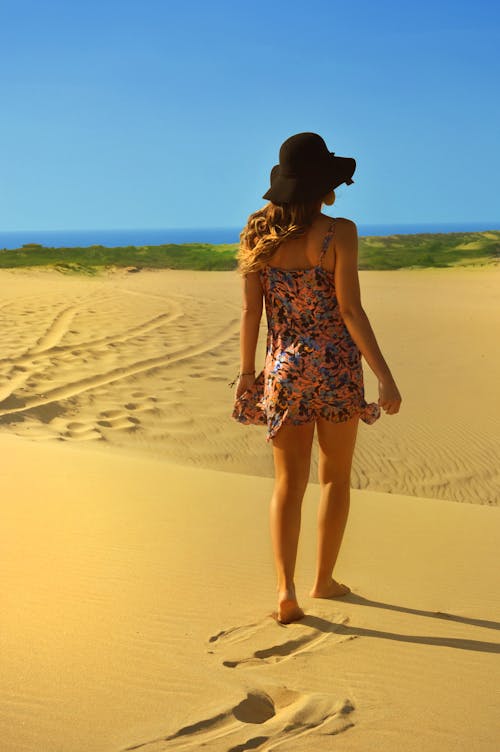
(342, 223)
(346, 235)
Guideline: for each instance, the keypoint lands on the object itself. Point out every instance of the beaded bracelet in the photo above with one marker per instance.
(247, 373)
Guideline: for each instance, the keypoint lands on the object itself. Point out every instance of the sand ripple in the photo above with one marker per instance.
(142, 363)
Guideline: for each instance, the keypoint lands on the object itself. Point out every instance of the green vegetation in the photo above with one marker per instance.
(426, 250)
(391, 252)
(90, 260)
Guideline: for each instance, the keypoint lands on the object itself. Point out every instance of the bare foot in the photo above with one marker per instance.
(333, 589)
(288, 611)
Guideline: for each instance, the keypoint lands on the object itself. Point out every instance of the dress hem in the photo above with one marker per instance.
(249, 409)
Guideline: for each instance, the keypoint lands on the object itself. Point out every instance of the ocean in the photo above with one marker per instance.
(216, 235)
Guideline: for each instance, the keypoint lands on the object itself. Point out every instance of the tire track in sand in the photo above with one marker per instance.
(77, 387)
(56, 328)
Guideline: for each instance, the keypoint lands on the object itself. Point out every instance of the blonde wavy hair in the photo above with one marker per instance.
(268, 227)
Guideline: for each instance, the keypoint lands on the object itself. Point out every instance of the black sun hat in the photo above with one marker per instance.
(307, 170)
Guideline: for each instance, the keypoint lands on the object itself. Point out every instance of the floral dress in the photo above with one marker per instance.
(313, 366)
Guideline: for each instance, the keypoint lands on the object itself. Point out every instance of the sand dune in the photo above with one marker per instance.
(136, 601)
(142, 362)
(137, 570)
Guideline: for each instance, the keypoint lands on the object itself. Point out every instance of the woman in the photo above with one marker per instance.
(303, 265)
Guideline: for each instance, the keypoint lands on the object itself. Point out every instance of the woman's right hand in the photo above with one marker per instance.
(389, 396)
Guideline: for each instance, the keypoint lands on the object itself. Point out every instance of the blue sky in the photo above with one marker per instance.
(143, 113)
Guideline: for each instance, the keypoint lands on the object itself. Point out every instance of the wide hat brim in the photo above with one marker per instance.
(312, 185)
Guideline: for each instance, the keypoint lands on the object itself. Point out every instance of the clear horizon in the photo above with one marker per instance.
(230, 227)
(125, 115)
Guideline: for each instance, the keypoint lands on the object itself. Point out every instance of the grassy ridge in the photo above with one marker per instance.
(375, 253)
(429, 250)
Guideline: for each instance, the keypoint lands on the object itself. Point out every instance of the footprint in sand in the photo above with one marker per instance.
(259, 643)
(78, 431)
(266, 719)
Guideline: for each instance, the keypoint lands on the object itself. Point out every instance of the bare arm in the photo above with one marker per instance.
(355, 318)
(250, 320)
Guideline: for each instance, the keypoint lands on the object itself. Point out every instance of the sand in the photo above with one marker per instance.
(138, 577)
(142, 362)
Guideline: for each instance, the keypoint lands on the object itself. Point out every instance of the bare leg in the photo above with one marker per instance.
(336, 443)
(292, 458)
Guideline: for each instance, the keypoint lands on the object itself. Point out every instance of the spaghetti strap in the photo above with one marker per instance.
(326, 241)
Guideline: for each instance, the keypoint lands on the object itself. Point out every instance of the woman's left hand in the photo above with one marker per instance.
(244, 383)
